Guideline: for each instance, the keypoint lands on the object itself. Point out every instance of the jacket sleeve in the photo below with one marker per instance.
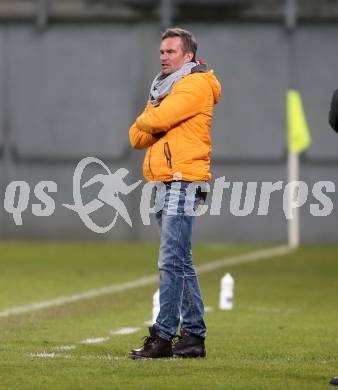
(186, 100)
(139, 139)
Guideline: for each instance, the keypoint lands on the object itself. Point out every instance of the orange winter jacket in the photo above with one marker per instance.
(177, 132)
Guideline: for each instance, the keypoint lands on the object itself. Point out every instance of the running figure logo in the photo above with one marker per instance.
(112, 186)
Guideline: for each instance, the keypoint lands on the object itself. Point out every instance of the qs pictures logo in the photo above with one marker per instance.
(18, 194)
(237, 198)
(112, 186)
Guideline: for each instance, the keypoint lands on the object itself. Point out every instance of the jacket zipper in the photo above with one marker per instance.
(167, 154)
(149, 163)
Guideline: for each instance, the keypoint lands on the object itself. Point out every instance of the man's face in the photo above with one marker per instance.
(171, 55)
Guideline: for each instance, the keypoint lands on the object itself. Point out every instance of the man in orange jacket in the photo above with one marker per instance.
(175, 128)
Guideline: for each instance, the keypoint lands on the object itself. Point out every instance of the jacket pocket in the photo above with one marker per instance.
(167, 154)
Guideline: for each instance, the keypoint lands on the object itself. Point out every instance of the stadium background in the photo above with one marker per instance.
(74, 75)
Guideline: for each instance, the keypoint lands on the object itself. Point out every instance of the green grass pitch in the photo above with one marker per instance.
(281, 334)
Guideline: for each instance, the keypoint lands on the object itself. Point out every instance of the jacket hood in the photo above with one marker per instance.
(214, 83)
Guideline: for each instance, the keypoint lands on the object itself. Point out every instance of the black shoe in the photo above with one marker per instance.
(334, 381)
(189, 346)
(154, 347)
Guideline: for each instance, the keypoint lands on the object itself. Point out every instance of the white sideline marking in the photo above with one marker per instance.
(94, 340)
(98, 340)
(99, 357)
(125, 331)
(65, 347)
(44, 355)
(77, 297)
(110, 357)
(148, 280)
(246, 258)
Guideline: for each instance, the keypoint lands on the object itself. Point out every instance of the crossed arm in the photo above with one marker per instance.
(140, 139)
(186, 100)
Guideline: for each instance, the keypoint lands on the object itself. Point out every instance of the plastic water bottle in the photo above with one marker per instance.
(156, 305)
(226, 301)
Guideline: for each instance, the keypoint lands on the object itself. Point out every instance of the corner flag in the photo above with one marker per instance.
(299, 138)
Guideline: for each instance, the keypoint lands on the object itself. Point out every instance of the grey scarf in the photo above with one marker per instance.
(163, 84)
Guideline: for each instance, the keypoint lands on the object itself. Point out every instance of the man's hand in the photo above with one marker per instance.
(159, 135)
(140, 139)
(333, 114)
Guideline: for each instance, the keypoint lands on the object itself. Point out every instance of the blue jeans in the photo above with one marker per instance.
(179, 288)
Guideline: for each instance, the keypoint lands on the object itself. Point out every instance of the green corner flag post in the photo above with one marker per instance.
(299, 140)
